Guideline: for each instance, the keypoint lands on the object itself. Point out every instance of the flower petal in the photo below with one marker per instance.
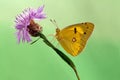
(40, 9)
(18, 36)
(40, 16)
(27, 37)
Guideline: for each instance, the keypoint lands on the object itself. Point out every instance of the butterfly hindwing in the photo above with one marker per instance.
(70, 44)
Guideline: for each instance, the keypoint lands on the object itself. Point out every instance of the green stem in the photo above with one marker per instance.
(61, 54)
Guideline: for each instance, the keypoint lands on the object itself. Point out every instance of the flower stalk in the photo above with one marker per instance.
(26, 27)
(60, 53)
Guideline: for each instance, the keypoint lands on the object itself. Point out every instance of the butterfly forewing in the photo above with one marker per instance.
(74, 37)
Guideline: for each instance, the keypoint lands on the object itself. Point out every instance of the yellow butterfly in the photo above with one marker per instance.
(73, 38)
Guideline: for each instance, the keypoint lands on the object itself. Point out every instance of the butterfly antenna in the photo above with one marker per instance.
(35, 41)
(54, 22)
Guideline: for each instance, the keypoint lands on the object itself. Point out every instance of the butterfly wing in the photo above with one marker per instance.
(74, 37)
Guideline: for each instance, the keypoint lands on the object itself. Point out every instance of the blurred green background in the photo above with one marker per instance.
(100, 60)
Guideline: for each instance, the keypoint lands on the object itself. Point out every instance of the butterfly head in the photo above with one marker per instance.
(57, 33)
(57, 30)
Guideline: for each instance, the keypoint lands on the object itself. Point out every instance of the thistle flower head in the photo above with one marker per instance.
(25, 24)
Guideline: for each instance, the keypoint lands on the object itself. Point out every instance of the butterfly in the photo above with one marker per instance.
(73, 38)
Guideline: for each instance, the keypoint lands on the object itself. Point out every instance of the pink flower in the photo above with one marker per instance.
(25, 21)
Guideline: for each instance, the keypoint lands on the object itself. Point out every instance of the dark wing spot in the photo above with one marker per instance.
(87, 27)
(85, 33)
(82, 23)
(75, 30)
